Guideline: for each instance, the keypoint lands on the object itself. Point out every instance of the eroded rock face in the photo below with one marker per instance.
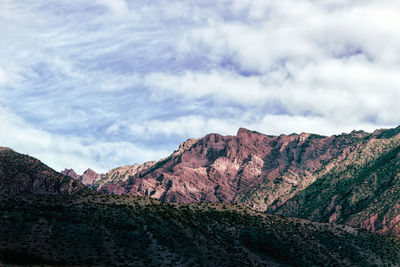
(71, 173)
(228, 169)
(87, 178)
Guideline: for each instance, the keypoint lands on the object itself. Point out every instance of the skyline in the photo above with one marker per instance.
(99, 84)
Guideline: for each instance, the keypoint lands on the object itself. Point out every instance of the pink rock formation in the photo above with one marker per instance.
(71, 173)
(220, 168)
(87, 178)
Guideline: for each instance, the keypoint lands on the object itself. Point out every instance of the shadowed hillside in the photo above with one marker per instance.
(122, 230)
(22, 174)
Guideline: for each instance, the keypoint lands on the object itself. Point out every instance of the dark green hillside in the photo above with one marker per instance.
(121, 230)
(363, 190)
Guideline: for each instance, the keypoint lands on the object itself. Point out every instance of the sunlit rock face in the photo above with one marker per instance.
(220, 168)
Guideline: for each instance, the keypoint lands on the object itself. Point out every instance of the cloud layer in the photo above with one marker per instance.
(95, 83)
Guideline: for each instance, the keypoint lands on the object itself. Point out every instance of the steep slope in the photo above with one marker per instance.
(230, 168)
(22, 174)
(361, 190)
(110, 230)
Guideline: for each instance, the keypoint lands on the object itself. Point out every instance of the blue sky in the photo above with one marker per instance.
(100, 84)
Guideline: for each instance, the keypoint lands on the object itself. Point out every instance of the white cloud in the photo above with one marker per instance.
(353, 90)
(339, 60)
(119, 7)
(61, 152)
(223, 86)
(187, 126)
(152, 72)
(278, 124)
(3, 77)
(274, 124)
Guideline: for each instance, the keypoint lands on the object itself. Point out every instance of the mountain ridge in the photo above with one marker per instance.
(263, 172)
(56, 220)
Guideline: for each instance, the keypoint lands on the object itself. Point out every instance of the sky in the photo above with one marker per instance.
(104, 83)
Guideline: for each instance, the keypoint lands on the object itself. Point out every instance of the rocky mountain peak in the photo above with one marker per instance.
(89, 176)
(243, 132)
(187, 144)
(184, 146)
(71, 173)
(90, 172)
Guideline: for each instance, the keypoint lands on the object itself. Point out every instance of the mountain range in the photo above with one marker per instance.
(47, 218)
(350, 179)
(248, 200)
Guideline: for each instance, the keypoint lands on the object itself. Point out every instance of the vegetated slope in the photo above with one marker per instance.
(105, 230)
(232, 169)
(53, 221)
(22, 174)
(361, 190)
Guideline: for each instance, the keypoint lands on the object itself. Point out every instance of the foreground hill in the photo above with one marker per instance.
(50, 222)
(135, 231)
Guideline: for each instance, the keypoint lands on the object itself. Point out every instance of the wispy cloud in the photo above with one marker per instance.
(65, 151)
(111, 77)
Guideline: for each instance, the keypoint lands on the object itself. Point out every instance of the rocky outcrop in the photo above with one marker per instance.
(119, 174)
(230, 169)
(71, 173)
(87, 178)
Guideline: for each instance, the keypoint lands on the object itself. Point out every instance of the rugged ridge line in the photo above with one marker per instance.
(49, 219)
(285, 174)
(226, 169)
